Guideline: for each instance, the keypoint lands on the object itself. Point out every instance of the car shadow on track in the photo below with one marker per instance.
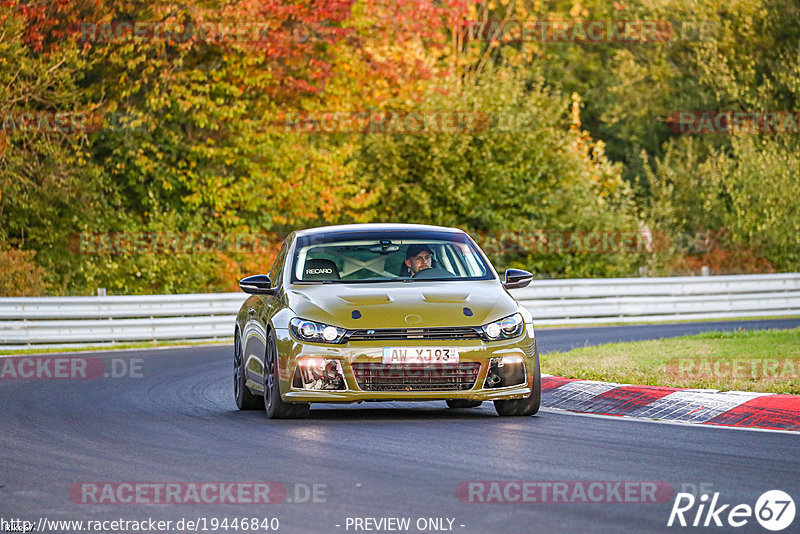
(398, 411)
(394, 411)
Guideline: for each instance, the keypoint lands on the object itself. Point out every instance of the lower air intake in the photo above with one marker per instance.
(416, 377)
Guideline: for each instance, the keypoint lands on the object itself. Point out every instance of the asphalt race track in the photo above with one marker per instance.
(174, 420)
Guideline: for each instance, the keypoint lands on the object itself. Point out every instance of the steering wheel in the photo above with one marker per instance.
(433, 272)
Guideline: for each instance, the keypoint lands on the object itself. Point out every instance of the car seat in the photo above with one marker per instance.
(320, 269)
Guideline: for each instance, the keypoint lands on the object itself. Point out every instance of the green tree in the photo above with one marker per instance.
(48, 185)
(532, 169)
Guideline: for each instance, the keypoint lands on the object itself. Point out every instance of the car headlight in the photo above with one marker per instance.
(306, 330)
(505, 328)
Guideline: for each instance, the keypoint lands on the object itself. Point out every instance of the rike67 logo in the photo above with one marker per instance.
(774, 510)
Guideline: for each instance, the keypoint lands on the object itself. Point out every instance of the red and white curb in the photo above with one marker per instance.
(702, 406)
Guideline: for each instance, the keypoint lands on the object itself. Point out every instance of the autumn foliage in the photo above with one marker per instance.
(178, 110)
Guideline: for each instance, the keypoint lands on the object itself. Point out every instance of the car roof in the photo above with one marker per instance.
(384, 227)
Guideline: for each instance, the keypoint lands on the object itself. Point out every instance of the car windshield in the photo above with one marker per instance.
(387, 257)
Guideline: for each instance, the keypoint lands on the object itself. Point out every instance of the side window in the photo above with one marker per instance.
(277, 267)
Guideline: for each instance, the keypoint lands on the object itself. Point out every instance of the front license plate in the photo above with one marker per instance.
(401, 355)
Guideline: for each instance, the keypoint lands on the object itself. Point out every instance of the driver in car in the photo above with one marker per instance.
(418, 258)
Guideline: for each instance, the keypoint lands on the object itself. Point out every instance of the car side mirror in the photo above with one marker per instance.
(258, 284)
(516, 278)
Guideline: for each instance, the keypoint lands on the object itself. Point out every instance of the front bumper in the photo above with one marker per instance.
(291, 351)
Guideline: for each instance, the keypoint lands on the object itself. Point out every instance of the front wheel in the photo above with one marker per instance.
(245, 400)
(528, 405)
(275, 407)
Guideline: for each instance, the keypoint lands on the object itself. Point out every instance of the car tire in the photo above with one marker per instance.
(275, 407)
(530, 404)
(463, 403)
(245, 400)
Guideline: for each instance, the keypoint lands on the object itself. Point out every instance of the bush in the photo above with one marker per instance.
(746, 198)
(533, 169)
(19, 275)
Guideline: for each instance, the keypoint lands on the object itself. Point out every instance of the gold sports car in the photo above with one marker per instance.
(384, 312)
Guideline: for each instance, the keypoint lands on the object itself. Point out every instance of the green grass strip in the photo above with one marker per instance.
(766, 361)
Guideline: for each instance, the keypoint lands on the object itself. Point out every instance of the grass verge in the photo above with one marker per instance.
(766, 361)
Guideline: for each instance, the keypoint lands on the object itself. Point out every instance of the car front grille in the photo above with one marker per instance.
(416, 377)
(389, 334)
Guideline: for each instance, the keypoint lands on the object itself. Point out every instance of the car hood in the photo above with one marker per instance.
(402, 305)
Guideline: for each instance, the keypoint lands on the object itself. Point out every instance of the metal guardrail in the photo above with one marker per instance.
(625, 300)
(34, 322)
